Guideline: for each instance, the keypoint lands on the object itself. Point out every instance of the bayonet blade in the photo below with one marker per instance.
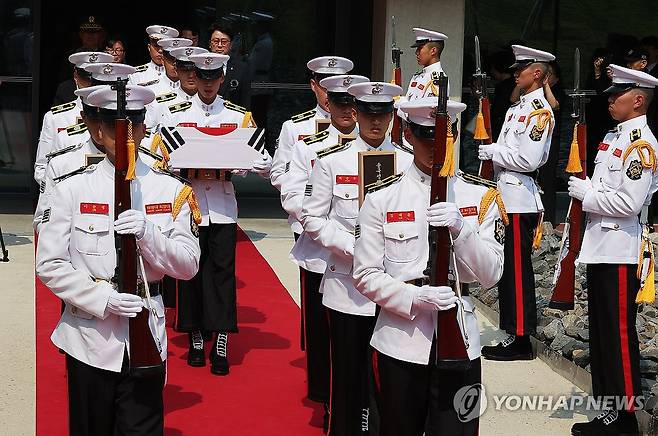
(576, 70)
(393, 31)
(478, 65)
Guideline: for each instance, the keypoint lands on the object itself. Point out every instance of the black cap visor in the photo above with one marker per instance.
(185, 65)
(340, 98)
(420, 43)
(374, 107)
(616, 88)
(135, 116)
(420, 131)
(209, 74)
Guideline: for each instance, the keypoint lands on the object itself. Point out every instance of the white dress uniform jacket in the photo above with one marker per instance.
(55, 120)
(329, 212)
(621, 186)
(216, 197)
(520, 149)
(297, 127)
(66, 161)
(149, 75)
(306, 252)
(393, 248)
(421, 84)
(76, 248)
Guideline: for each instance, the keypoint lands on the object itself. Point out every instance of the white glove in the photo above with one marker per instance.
(239, 173)
(579, 187)
(486, 151)
(446, 215)
(131, 222)
(434, 298)
(126, 305)
(262, 166)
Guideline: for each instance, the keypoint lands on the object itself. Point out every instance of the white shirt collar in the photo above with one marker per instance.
(322, 112)
(156, 67)
(436, 66)
(364, 145)
(416, 174)
(537, 93)
(633, 123)
(216, 104)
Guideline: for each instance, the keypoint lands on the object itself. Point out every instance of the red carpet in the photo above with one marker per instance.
(263, 395)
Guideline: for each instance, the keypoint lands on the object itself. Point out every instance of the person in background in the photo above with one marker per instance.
(236, 87)
(599, 120)
(190, 32)
(501, 74)
(260, 63)
(117, 48)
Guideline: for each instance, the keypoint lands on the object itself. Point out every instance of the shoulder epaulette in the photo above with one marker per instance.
(80, 170)
(235, 107)
(63, 107)
(403, 148)
(62, 151)
(180, 107)
(635, 134)
(165, 97)
(303, 116)
(148, 152)
(152, 82)
(478, 180)
(537, 104)
(435, 75)
(316, 137)
(333, 149)
(141, 68)
(76, 129)
(388, 181)
(181, 179)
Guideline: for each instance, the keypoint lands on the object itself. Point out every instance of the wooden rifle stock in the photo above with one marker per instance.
(396, 131)
(143, 351)
(486, 166)
(450, 345)
(564, 291)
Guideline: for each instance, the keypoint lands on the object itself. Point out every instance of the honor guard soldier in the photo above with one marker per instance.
(309, 255)
(620, 189)
(76, 259)
(208, 301)
(329, 213)
(185, 69)
(415, 397)
(521, 149)
(66, 115)
(429, 46)
(153, 73)
(302, 125)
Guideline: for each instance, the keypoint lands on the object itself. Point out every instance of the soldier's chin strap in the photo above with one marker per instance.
(646, 262)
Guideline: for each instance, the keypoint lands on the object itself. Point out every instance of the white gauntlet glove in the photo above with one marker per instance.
(446, 215)
(126, 305)
(434, 298)
(131, 222)
(262, 166)
(486, 151)
(579, 187)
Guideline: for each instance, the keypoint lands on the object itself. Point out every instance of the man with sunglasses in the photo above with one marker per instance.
(522, 147)
(152, 73)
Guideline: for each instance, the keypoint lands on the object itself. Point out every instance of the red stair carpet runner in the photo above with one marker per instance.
(264, 393)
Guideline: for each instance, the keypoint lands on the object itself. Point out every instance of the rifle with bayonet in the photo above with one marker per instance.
(451, 343)
(396, 131)
(564, 279)
(144, 354)
(483, 120)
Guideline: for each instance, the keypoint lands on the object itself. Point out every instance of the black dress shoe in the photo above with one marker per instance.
(512, 348)
(608, 423)
(218, 355)
(195, 356)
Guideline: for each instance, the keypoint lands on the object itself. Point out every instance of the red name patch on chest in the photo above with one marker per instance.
(617, 152)
(603, 146)
(228, 126)
(404, 215)
(347, 180)
(413, 84)
(468, 211)
(95, 208)
(421, 86)
(300, 137)
(521, 118)
(186, 124)
(158, 208)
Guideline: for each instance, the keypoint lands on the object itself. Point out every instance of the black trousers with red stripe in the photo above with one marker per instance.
(351, 374)
(209, 301)
(516, 288)
(613, 342)
(315, 337)
(416, 399)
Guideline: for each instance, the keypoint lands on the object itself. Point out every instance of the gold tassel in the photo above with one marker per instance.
(480, 129)
(187, 195)
(647, 292)
(155, 142)
(640, 146)
(536, 243)
(247, 120)
(488, 198)
(132, 153)
(573, 164)
(448, 169)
